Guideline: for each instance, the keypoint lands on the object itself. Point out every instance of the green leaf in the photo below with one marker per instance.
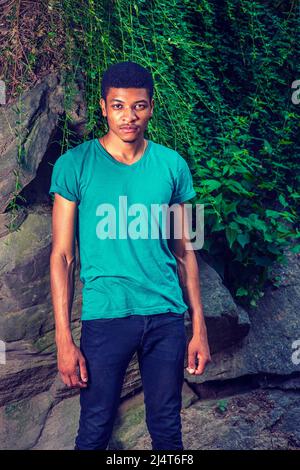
(282, 200)
(241, 292)
(231, 235)
(273, 214)
(212, 184)
(243, 238)
(267, 147)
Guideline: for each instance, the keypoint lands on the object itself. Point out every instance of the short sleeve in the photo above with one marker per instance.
(64, 180)
(183, 189)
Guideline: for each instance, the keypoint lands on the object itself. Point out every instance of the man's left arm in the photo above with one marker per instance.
(188, 272)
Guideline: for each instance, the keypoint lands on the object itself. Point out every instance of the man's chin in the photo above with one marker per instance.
(129, 138)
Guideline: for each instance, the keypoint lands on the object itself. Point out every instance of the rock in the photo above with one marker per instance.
(25, 373)
(26, 317)
(26, 308)
(226, 322)
(77, 111)
(11, 221)
(60, 429)
(129, 424)
(26, 128)
(286, 274)
(290, 382)
(24, 254)
(256, 420)
(267, 349)
(188, 395)
(21, 422)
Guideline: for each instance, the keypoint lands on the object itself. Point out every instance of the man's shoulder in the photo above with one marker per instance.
(81, 149)
(165, 151)
(163, 148)
(77, 154)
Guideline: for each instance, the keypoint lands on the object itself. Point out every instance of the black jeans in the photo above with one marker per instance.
(108, 346)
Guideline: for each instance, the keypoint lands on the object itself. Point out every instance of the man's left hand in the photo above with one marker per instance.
(198, 348)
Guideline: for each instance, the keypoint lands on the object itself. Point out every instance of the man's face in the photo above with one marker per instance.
(129, 107)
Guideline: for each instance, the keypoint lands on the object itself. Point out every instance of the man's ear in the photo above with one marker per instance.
(152, 107)
(102, 105)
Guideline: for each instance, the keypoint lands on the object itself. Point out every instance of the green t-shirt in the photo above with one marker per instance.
(124, 274)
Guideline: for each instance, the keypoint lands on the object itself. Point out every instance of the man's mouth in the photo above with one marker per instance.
(129, 129)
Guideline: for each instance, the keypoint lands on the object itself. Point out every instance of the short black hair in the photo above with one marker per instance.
(126, 75)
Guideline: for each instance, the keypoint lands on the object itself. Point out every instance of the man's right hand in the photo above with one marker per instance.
(69, 359)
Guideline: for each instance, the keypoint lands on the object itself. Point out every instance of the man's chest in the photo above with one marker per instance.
(144, 187)
(134, 204)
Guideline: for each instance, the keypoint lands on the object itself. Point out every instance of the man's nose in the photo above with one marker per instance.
(129, 113)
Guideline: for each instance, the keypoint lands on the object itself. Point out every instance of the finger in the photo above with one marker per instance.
(191, 363)
(83, 370)
(66, 380)
(200, 368)
(77, 382)
(74, 380)
(81, 384)
(201, 364)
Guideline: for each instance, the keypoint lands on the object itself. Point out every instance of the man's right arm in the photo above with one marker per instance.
(62, 276)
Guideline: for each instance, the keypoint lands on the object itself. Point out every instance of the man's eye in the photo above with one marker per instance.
(143, 106)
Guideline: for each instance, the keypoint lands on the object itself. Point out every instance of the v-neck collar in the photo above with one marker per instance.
(112, 159)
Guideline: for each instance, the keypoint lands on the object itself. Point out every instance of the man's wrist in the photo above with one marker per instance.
(63, 338)
(198, 323)
(200, 331)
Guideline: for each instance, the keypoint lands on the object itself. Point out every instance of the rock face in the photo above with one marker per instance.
(257, 420)
(26, 129)
(251, 350)
(226, 322)
(268, 347)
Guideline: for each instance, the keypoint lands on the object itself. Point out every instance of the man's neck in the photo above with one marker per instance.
(128, 152)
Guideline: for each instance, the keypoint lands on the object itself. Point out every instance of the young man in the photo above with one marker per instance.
(131, 298)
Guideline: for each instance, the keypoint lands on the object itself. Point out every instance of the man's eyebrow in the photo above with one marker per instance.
(138, 101)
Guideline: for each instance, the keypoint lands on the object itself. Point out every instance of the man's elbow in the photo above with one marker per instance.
(180, 253)
(66, 257)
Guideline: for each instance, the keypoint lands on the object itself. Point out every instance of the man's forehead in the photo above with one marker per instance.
(127, 94)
